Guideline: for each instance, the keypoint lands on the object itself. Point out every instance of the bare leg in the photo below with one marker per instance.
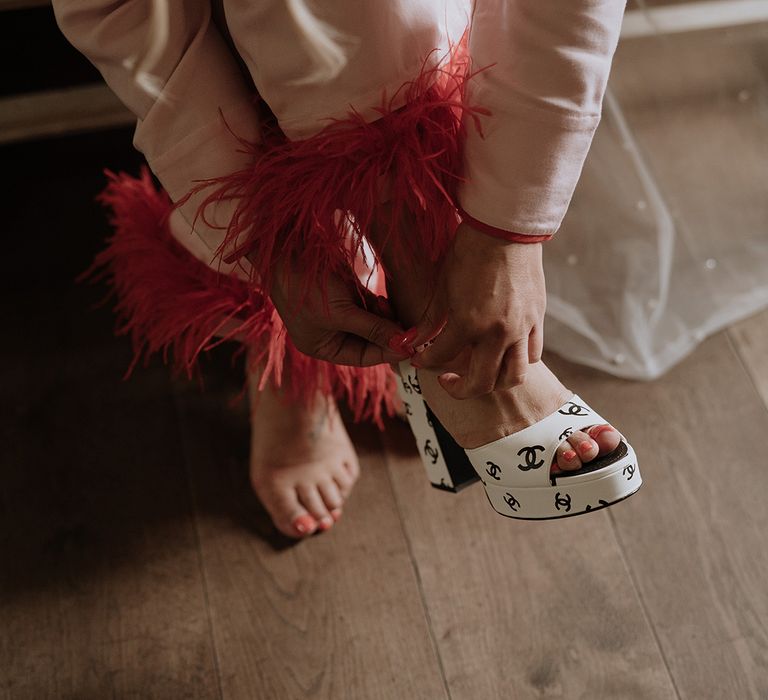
(303, 465)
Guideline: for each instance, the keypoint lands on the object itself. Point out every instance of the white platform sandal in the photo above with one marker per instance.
(515, 469)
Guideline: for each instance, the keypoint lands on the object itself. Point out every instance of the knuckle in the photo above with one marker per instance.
(480, 388)
(498, 329)
(473, 320)
(520, 342)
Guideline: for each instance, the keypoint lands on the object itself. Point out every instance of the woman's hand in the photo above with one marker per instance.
(347, 334)
(491, 297)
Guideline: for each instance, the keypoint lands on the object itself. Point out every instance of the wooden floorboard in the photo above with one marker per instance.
(101, 591)
(336, 616)
(750, 339)
(696, 544)
(695, 539)
(520, 609)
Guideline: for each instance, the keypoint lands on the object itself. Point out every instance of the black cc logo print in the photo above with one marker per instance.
(563, 501)
(493, 470)
(629, 469)
(511, 501)
(406, 387)
(408, 411)
(574, 409)
(414, 382)
(600, 501)
(565, 433)
(530, 458)
(430, 451)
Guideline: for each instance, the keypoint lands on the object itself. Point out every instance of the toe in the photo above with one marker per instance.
(584, 445)
(331, 496)
(343, 480)
(288, 514)
(566, 458)
(310, 498)
(352, 468)
(606, 437)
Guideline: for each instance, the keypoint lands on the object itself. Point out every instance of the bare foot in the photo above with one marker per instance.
(303, 464)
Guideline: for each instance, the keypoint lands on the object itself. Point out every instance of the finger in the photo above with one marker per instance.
(357, 352)
(385, 308)
(484, 367)
(379, 304)
(535, 345)
(425, 337)
(446, 347)
(514, 366)
(432, 320)
(373, 328)
(459, 365)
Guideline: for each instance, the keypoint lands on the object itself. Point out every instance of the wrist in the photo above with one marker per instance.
(477, 251)
(500, 233)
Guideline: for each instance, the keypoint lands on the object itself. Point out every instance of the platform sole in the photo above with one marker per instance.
(569, 495)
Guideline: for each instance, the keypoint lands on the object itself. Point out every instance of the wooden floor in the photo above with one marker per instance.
(136, 563)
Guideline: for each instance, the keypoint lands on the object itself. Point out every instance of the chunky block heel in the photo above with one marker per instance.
(447, 465)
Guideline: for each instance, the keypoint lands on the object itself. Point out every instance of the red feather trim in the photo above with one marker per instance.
(170, 302)
(312, 200)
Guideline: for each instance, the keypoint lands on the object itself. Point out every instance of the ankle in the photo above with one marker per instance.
(475, 422)
(271, 407)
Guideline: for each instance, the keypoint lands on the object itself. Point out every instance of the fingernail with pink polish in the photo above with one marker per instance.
(410, 334)
(396, 342)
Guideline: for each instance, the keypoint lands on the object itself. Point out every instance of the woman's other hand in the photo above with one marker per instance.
(347, 333)
(490, 299)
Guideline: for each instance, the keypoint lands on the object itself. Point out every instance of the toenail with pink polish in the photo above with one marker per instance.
(585, 446)
(304, 524)
(569, 455)
(325, 523)
(336, 513)
(598, 430)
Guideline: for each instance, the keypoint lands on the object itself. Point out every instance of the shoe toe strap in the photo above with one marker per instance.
(524, 458)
